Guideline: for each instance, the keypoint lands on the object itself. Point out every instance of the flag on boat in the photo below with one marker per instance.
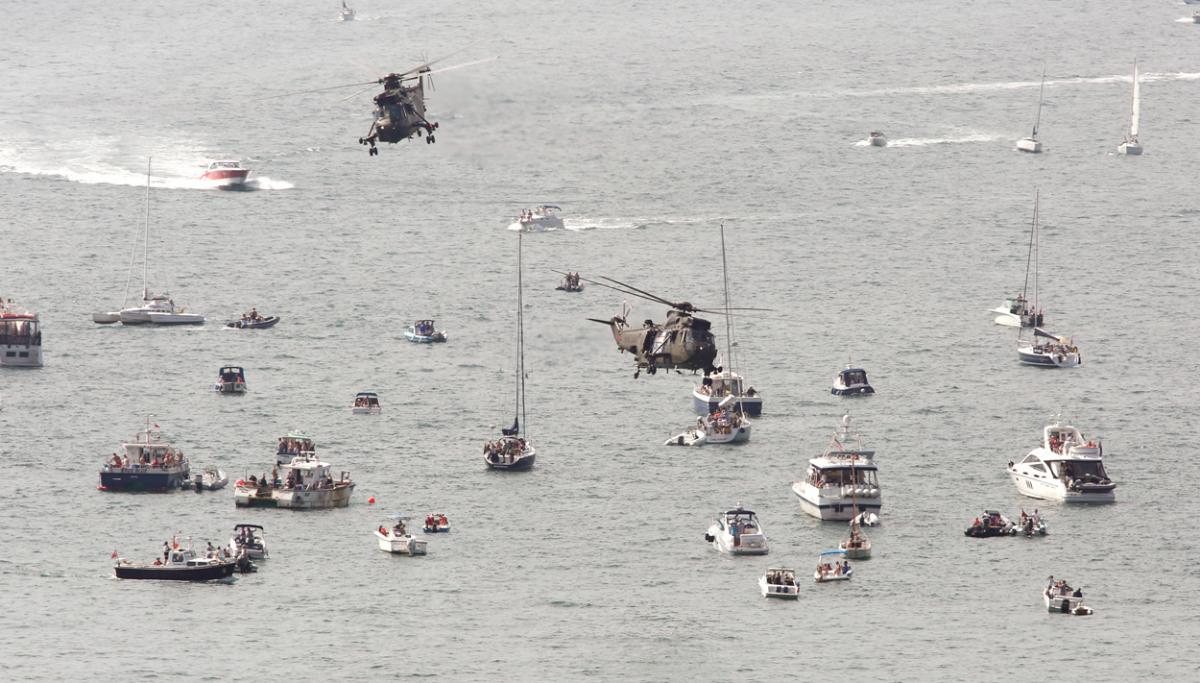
(114, 555)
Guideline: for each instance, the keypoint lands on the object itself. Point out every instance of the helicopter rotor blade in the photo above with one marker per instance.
(305, 92)
(426, 65)
(644, 293)
(456, 66)
(618, 289)
(354, 94)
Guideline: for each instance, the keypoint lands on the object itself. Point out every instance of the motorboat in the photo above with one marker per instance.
(1055, 352)
(366, 403)
(397, 540)
(293, 444)
(225, 174)
(514, 450)
(346, 13)
(857, 546)
(148, 464)
(724, 426)
(866, 519)
(423, 332)
(1032, 144)
(210, 479)
(707, 397)
(1131, 146)
(877, 139)
(179, 564)
(544, 217)
(832, 566)
(1065, 467)
(1018, 312)
(851, 381)
(842, 482)
(305, 483)
(991, 524)
(436, 523)
(230, 380)
(779, 582)
(738, 532)
(249, 539)
(1060, 598)
(20, 337)
(1031, 525)
(251, 320)
(570, 283)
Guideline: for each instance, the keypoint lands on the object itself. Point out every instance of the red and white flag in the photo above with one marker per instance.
(114, 555)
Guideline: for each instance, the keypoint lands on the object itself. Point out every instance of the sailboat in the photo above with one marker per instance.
(514, 450)
(727, 421)
(158, 309)
(1131, 146)
(1043, 348)
(346, 13)
(1031, 144)
(858, 546)
(1020, 312)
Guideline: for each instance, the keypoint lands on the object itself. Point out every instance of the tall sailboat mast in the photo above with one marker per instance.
(146, 238)
(1135, 108)
(520, 398)
(1041, 93)
(1037, 245)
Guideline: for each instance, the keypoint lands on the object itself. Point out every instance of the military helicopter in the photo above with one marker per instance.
(683, 342)
(400, 108)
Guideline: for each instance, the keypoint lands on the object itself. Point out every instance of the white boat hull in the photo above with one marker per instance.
(21, 356)
(784, 591)
(106, 318)
(833, 508)
(829, 576)
(1029, 145)
(1049, 488)
(159, 318)
(746, 544)
(400, 545)
(695, 437)
(1130, 149)
(360, 410)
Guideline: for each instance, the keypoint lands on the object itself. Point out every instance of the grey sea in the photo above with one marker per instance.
(650, 124)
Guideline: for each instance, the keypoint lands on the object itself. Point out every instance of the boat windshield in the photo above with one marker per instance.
(853, 377)
(842, 476)
(1075, 469)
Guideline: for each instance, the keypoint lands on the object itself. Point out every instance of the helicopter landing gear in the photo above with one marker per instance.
(373, 152)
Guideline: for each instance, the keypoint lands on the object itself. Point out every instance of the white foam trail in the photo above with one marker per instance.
(585, 223)
(1186, 20)
(102, 173)
(923, 142)
(967, 88)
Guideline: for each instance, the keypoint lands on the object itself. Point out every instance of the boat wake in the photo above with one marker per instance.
(925, 142)
(179, 175)
(1186, 20)
(968, 88)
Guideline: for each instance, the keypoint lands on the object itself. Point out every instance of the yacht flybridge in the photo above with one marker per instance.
(841, 483)
(1065, 467)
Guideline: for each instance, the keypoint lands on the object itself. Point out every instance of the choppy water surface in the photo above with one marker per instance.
(649, 123)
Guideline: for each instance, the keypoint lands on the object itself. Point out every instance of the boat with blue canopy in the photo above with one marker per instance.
(423, 332)
(832, 566)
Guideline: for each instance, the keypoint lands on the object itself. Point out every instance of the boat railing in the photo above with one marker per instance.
(135, 468)
(34, 339)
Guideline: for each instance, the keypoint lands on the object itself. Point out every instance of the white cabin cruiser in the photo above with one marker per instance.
(397, 540)
(832, 566)
(1061, 598)
(306, 483)
(877, 139)
(1018, 312)
(779, 582)
(722, 427)
(20, 337)
(544, 217)
(248, 538)
(1066, 467)
(1058, 352)
(841, 483)
(851, 381)
(737, 532)
(716, 386)
(366, 403)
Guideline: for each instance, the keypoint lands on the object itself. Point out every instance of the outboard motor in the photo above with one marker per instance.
(198, 482)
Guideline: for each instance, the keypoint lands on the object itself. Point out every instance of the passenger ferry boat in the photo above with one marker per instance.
(1066, 467)
(20, 337)
(225, 174)
(707, 397)
(307, 484)
(738, 532)
(149, 464)
(842, 482)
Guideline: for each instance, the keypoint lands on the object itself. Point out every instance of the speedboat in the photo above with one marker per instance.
(713, 389)
(1018, 312)
(991, 524)
(779, 582)
(509, 452)
(423, 332)
(210, 479)
(851, 381)
(1065, 467)
(307, 483)
(877, 139)
(249, 539)
(1059, 597)
(179, 564)
(858, 546)
(20, 337)
(149, 464)
(832, 566)
(1058, 352)
(436, 523)
(395, 539)
(346, 13)
(842, 482)
(251, 320)
(724, 426)
(225, 175)
(544, 217)
(366, 403)
(230, 380)
(292, 445)
(570, 283)
(737, 532)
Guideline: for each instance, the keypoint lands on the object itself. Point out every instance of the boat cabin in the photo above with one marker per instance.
(224, 165)
(307, 472)
(231, 374)
(296, 443)
(835, 469)
(424, 328)
(366, 399)
(151, 454)
(852, 378)
(745, 521)
(724, 384)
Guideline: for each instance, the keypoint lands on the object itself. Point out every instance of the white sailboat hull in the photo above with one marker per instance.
(1029, 145)
(1132, 149)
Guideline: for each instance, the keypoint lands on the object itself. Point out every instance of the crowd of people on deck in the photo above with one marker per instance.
(570, 281)
(719, 422)
(366, 402)
(507, 450)
(398, 530)
(781, 577)
(293, 481)
(424, 328)
(835, 569)
(433, 522)
(293, 446)
(167, 459)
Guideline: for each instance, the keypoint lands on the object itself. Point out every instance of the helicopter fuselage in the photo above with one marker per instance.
(683, 342)
(399, 115)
